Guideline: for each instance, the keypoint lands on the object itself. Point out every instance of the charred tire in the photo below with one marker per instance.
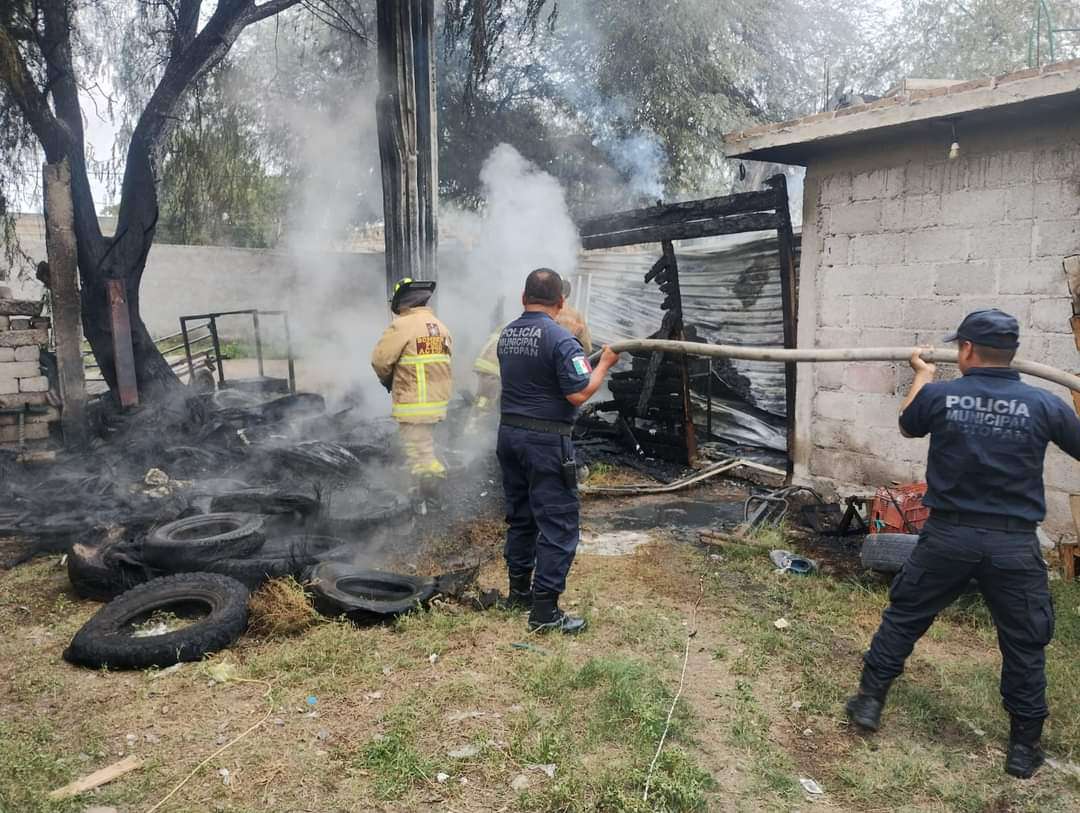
(277, 558)
(189, 543)
(107, 639)
(339, 588)
(103, 570)
(264, 501)
(887, 553)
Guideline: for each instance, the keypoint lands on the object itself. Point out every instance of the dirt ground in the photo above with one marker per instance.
(461, 710)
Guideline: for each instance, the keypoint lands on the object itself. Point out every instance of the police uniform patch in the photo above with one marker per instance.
(581, 365)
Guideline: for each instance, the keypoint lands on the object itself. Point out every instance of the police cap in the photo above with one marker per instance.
(990, 328)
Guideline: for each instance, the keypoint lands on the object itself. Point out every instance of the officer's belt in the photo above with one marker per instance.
(993, 522)
(538, 425)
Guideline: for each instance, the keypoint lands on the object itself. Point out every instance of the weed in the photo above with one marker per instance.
(393, 757)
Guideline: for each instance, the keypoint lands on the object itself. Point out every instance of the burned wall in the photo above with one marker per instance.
(899, 243)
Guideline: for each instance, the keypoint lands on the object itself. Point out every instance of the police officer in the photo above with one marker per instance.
(546, 376)
(988, 437)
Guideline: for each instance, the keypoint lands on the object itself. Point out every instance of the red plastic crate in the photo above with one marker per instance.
(898, 509)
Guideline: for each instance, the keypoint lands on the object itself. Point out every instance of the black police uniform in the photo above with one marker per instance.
(988, 437)
(540, 363)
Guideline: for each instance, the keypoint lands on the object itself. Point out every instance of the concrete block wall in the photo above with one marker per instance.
(898, 244)
(23, 387)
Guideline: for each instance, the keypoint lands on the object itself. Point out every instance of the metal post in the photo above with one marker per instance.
(187, 349)
(288, 351)
(212, 325)
(258, 341)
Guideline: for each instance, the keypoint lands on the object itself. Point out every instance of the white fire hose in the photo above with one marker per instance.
(780, 354)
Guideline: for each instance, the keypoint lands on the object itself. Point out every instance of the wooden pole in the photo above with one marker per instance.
(408, 149)
(1072, 281)
(789, 298)
(63, 283)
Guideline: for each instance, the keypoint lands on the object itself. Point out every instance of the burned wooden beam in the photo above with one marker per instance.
(735, 224)
(789, 293)
(677, 213)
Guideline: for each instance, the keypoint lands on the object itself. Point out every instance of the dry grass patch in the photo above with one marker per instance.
(280, 608)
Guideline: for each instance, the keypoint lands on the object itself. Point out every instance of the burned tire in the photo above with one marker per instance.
(339, 588)
(887, 553)
(108, 639)
(265, 501)
(187, 544)
(102, 569)
(277, 558)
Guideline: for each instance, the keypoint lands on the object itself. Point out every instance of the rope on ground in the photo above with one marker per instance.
(690, 633)
(226, 746)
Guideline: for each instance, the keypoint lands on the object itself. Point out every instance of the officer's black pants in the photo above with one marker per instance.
(541, 510)
(1009, 569)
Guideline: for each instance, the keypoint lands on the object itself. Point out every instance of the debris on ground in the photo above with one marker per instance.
(810, 786)
(280, 608)
(781, 623)
(788, 562)
(97, 778)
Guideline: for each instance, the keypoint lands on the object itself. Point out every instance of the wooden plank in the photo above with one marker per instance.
(735, 224)
(63, 283)
(789, 297)
(1075, 323)
(1072, 279)
(127, 385)
(97, 778)
(674, 213)
(1068, 554)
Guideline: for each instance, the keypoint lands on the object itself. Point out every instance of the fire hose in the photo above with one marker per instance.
(820, 355)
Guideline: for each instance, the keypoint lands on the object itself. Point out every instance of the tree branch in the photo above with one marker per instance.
(187, 25)
(16, 77)
(267, 9)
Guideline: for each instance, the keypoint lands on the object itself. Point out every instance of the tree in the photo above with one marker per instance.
(39, 98)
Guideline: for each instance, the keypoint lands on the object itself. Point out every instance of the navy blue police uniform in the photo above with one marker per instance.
(540, 363)
(988, 437)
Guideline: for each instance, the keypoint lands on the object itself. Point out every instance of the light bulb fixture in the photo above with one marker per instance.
(954, 148)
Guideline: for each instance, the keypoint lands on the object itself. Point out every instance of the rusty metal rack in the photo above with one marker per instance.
(210, 324)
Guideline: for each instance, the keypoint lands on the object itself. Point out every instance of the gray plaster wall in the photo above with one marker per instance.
(898, 244)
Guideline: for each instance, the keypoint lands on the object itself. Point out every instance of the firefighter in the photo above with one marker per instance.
(545, 376)
(988, 436)
(486, 368)
(571, 319)
(412, 360)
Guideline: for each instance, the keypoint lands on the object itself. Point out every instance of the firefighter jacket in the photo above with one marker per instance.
(571, 319)
(487, 363)
(412, 359)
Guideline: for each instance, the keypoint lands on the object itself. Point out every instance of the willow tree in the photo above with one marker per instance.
(40, 104)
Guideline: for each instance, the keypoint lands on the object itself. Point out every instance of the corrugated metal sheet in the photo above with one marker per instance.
(731, 295)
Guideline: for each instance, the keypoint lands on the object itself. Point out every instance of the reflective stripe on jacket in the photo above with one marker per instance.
(413, 354)
(487, 363)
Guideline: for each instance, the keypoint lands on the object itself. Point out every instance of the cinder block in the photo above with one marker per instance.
(1039, 276)
(856, 218)
(28, 353)
(15, 400)
(836, 188)
(922, 211)
(1051, 315)
(7, 354)
(1053, 238)
(22, 338)
(9, 386)
(877, 311)
(892, 214)
(1057, 163)
(839, 406)
(868, 185)
(934, 314)
(870, 377)
(1006, 241)
(31, 431)
(1057, 200)
(1061, 471)
(20, 369)
(1058, 520)
(936, 245)
(1060, 352)
(878, 411)
(829, 376)
(1010, 168)
(837, 337)
(34, 384)
(834, 311)
(1020, 203)
(834, 251)
(965, 278)
(876, 249)
(18, 323)
(3, 323)
(49, 415)
(973, 207)
(896, 183)
(20, 307)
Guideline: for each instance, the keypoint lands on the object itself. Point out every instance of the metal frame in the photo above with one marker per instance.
(211, 325)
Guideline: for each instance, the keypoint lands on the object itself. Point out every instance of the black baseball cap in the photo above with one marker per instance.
(990, 328)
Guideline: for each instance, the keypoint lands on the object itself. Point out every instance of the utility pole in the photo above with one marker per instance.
(408, 147)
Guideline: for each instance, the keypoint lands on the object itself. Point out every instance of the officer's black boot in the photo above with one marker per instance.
(546, 615)
(864, 709)
(520, 594)
(1025, 755)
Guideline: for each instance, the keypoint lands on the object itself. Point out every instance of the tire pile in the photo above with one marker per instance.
(204, 566)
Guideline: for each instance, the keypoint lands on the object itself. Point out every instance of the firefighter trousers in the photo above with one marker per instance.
(419, 442)
(1009, 569)
(541, 509)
